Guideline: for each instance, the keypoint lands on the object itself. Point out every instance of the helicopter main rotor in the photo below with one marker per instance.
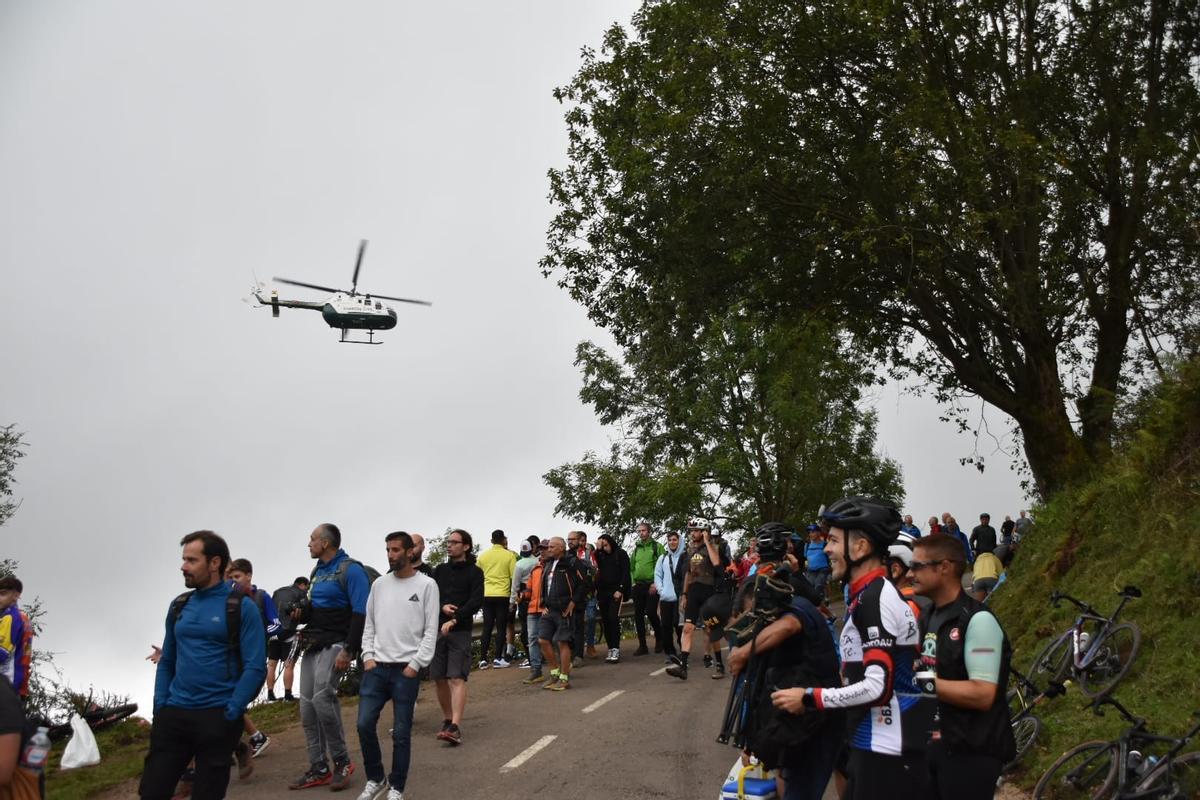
(362, 248)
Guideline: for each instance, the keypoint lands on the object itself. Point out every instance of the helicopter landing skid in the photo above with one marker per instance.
(370, 338)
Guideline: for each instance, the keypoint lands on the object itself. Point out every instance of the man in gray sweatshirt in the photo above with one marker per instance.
(398, 639)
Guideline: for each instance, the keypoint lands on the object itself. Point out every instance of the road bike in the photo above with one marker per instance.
(97, 719)
(1096, 650)
(1023, 698)
(1118, 770)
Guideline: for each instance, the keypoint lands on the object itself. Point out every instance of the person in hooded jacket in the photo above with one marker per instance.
(612, 587)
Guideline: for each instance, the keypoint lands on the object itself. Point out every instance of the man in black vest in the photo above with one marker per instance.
(965, 659)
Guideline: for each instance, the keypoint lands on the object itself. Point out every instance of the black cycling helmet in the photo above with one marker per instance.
(771, 540)
(877, 519)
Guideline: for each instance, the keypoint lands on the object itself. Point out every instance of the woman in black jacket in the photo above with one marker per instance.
(612, 587)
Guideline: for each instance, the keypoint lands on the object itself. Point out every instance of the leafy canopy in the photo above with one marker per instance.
(999, 197)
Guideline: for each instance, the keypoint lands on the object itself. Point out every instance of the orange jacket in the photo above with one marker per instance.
(535, 590)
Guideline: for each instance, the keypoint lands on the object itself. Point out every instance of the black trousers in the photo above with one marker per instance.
(668, 611)
(178, 736)
(577, 636)
(523, 618)
(495, 613)
(873, 775)
(645, 605)
(610, 619)
(962, 776)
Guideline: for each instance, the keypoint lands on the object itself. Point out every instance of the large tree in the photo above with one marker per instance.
(751, 421)
(1000, 197)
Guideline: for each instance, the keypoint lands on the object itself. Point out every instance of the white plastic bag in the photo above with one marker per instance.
(82, 750)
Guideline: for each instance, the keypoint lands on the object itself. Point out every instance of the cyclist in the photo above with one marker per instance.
(965, 647)
(888, 721)
(899, 567)
(705, 563)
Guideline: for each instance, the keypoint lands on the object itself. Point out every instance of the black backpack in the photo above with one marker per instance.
(773, 734)
(233, 626)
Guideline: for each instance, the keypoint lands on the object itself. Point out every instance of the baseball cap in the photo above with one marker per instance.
(526, 548)
(543, 544)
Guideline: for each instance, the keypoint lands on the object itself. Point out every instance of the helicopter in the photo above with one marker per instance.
(347, 310)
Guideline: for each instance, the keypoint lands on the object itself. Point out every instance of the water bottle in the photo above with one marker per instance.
(1084, 638)
(37, 751)
(1133, 762)
(1149, 763)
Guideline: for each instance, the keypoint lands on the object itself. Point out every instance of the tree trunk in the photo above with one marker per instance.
(1054, 450)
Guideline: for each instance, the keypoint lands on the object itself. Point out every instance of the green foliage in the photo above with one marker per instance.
(749, 420)
(1135, 522)
(12, 448)
(997, 196)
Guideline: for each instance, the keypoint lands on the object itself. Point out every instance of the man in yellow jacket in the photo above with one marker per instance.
(498, 564)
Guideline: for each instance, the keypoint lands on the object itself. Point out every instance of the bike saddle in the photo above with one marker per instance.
(1131, 591)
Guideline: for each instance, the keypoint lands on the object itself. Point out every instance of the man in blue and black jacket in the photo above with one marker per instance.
(207, 675)
(335, 615)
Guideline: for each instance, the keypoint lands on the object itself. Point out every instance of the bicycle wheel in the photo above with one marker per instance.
(1025, 732)
(1088, 771)
(1053, 663)
(1112, 656)
(1181, 774)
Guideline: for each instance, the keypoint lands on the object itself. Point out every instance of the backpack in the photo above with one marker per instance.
(773, 734)
(340, 574)
(233, 626)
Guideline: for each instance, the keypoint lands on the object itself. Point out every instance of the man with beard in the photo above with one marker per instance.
(208, 672)
(399, 635)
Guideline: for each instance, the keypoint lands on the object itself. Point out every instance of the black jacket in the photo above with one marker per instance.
(983, 539)
(567, 583)
(612, 572)
(460, 583)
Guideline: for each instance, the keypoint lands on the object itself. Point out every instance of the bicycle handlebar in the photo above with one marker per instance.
(1057, 597)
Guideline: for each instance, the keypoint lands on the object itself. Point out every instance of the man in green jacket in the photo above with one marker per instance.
(645, 597)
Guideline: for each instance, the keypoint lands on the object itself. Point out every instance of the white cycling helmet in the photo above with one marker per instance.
(902, 553)
(699, 524)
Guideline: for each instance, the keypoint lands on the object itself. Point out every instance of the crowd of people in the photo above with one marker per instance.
(907, 696)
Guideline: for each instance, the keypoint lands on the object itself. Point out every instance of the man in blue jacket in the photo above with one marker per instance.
(335, 615)
(204, 680)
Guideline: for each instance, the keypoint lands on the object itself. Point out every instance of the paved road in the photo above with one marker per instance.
(622, 731)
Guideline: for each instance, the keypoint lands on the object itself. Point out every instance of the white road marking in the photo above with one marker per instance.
(528, 753)
(658, 672)
(603, 700)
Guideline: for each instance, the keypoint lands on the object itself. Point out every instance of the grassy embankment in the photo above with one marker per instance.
(1137, 522)
(123, 747)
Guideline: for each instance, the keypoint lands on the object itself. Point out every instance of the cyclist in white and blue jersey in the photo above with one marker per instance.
(888, 720)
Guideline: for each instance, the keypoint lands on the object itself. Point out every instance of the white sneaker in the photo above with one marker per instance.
(395, 794)
(524, 664)
(500, 663)
(374, 790)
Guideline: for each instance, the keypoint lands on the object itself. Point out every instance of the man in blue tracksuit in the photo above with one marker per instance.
(205, 677)
(335, 615)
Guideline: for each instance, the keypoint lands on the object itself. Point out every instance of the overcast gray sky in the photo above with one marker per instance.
(154, 156)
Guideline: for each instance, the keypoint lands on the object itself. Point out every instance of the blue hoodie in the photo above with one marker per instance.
(195, 670)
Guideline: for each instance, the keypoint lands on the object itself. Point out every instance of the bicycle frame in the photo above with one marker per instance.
(1135, 735)
(1082, 660)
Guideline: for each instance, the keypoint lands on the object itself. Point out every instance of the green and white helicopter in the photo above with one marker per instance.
(347, 310)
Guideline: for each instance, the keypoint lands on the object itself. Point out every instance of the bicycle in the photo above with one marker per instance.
(1117, 770)
(1096, 650)
(1023, 698)
(97, 719)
